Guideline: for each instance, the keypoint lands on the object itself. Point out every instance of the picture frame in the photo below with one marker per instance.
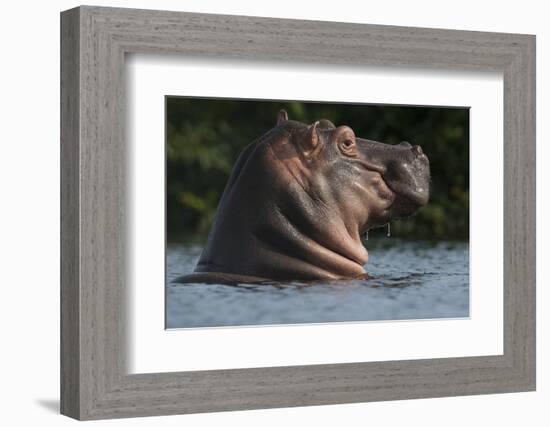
(94, 381)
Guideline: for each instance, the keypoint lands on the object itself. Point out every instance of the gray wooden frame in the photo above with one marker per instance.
(94, 382)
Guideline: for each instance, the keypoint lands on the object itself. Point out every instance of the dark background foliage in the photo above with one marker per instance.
(205, 136)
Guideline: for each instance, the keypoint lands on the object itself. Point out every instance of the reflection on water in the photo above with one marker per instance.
(410, 280)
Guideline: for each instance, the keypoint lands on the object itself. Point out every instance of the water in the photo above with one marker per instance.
(412, 280)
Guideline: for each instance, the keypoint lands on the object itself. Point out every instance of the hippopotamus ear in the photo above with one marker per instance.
(310, 140)
(326, 124)
(282, 117)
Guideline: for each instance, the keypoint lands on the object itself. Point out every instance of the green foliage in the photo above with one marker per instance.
(205, 136)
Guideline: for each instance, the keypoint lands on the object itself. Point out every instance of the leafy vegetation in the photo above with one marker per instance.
(205, 136)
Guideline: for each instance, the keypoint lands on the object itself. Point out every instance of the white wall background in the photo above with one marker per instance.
(29, 214)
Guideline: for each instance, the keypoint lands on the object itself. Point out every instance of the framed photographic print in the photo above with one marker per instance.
(262, 213)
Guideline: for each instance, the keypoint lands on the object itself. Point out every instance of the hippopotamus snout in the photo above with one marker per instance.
(404, 168)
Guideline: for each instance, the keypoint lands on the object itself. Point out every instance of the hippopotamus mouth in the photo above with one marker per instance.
(404, 172)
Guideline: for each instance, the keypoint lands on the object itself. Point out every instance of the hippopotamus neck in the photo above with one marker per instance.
(267, 229)
(322, 250)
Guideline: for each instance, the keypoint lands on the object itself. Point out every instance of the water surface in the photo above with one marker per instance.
(412, 280)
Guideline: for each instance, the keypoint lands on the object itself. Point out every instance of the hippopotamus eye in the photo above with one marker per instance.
(348, 143)
(347, 146)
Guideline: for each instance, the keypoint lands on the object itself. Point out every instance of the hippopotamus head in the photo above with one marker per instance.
(367, 182)
(301, 196)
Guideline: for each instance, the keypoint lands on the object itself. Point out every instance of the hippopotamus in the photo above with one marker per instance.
(299, 199)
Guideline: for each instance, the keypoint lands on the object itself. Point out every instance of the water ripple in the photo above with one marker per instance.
(408, 281)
